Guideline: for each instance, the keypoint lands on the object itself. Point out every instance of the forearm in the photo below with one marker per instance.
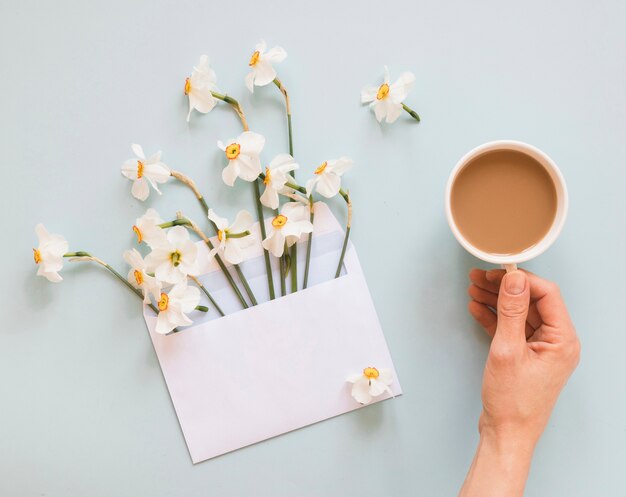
(500, 466)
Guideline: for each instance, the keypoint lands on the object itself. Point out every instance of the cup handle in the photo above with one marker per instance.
(509, 267)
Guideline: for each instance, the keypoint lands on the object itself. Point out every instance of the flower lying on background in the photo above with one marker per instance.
(386, 99)
(370, 383)
(174, 306)
(173, 257)
(139, 277)
(147, 228)
(262, 73)
(198, 87)
(144, 171)
(276, 175)
(232, 239)
(49, 253)
(327, 177)
(243, 157)
(288, 228)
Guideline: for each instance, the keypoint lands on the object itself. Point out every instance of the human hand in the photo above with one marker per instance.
(533, 352)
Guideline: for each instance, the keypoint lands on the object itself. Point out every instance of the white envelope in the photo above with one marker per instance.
(278, 366)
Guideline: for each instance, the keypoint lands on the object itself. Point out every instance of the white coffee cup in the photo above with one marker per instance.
(510, 261)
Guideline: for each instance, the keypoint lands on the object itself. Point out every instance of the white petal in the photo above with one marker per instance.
(242, 222)
(53, 277)
(284, 163)
(129, 169)
(249, 80)
(399, 90)
(264, 73)
(158, 172)
(377, 387)
(202, 100)
(230, 173)
(138, 150)
(385, 376)
(393, 111)
(232, 253)
(310, 184)
(140, 189)
(249, 167)
(260, 46)
(368, 94)
(328, 185)
(340, 165)
(380, 109)
(177, 236)
(275, 55)
(167, 273)
(275, 243)
(270, 198)
(220, 222)
(251, 143)
(133, 259)
(189, 298)
(360, 391)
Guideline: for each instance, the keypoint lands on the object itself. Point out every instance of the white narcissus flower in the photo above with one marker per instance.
(276, 175)
(327, 179)
(174, 306)
(173, 257)
(147, 228)
(231, 246)
(262, 73)
(49, 253)
(386, 99)
(371, 383)
(288, 227)
(198, 87)
(144, 171)
(243, 157)
(139, 277)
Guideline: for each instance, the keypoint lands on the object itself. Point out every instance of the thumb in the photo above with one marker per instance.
(513, 302)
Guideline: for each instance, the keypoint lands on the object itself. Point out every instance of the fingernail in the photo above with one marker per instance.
(515, 282)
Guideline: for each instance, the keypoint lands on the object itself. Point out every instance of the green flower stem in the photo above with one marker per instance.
(206, 292)
(243, 234)
(175, 222)
(266, 254)
(283, 276)
(294, 248)
(308, 246)
(235, 105)
(411, 112)
(190, 183)
(346, 197)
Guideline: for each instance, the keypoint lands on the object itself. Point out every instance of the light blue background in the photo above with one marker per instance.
(84, 410)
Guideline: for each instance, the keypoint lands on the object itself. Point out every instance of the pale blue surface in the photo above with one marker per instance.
(84, 409)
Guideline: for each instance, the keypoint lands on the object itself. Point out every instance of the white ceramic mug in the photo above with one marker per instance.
(510, 261)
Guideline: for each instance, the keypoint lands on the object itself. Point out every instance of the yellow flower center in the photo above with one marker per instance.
(138, 233)
(139, 169)
(36, 256)
(255, 58)
(163, 302)
(371, 373)
(268, 176)
(279, 221)
(233, 150)
(187, 86)
(383, 91)
(320, 169)
(175, 257)
(138, 277)
(220, 235)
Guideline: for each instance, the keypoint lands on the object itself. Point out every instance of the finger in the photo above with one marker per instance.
(479, 278)
(512, 310)
(484, 316)
(533, 316)
(551, 309)
(483, 296)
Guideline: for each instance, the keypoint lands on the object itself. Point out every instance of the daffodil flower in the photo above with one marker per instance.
(174, 307)
(142, 172)
(139, 277)
(49, 253)
(327, 177)
(173, 257)
(386, 99)
(262, 73)
(232, 239)
(288, 228)
(370, 383)
(243, 157)
(276, 175)
(198, 87)
(147, 228)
